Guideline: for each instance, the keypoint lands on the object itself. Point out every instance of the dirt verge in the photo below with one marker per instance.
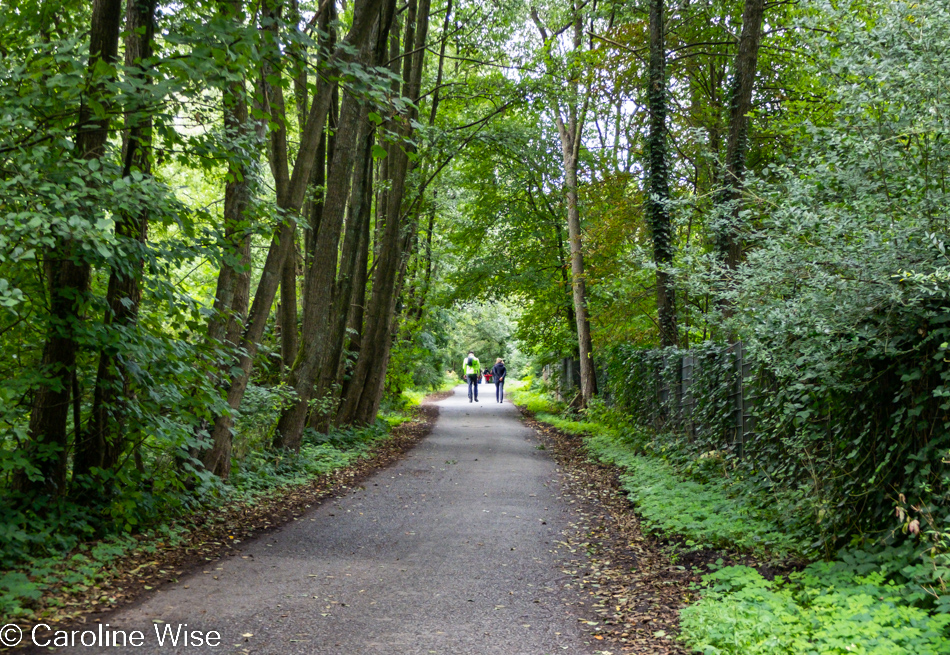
(639, 582)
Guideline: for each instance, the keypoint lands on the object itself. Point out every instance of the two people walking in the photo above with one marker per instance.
(472, 369)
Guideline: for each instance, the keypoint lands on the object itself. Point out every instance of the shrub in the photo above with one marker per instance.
(830, 607)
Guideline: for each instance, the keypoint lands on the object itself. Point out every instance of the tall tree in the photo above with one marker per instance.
(658, 185)
(232, 293)
(737, 142)
(68, 270)
(272, 71)
(570, 128)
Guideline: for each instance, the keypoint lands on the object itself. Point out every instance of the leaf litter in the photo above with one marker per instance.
(632, 581)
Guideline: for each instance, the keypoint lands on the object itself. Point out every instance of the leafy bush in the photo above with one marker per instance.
(830, 607)
(530, 394)
(707, 515)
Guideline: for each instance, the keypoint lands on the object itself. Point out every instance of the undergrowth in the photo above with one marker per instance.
(878, 597)
(62, 547)
(830, 607)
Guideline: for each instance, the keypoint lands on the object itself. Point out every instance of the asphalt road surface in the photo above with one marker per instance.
(453, 551)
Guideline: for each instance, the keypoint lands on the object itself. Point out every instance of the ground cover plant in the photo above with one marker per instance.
(872, 599)
(850, 605)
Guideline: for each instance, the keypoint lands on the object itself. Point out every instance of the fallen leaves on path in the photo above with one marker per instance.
(635, 587)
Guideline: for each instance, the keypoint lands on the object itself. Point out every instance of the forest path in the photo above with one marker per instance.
(453, 550)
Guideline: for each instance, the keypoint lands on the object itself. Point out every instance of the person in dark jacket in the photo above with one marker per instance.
(498, 372)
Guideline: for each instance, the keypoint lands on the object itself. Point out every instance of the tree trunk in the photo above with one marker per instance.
(354, 320)
(578, 284)
(274, 107)
(570, 134)
(288, 310)
(234, 279)
(328, 293)
(289, 199)
(364, 392)
(104, 441)
(737, 143)
(658, 190)
(565, 276)
(68, 274)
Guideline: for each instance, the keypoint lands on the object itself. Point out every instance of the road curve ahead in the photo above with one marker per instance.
(453, 551)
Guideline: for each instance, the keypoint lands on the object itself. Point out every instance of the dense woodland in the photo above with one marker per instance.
(230, 230)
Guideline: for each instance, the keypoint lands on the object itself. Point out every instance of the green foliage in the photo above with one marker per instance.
(689, 499)
(705, 515)
(533, 396)
(510, 240)
(82, 568)
(263, 471)
(848, 606)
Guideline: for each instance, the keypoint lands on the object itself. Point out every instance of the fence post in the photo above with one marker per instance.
(740, 404)
(688, 405)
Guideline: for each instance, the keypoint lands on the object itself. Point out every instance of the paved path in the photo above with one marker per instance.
(451, 551)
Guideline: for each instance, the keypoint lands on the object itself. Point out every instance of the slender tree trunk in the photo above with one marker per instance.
(298, 53)
(570, 134)
(273, 94)
(288, 310)
(290, 198)
(68, 274)
(565, 276)
(420, 302)
(104, 441)
(658, 190)
(234, 278)
(354, 320)
(578, 284)
(737, 142)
